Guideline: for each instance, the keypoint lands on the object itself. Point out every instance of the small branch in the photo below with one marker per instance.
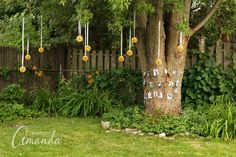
(207, 17)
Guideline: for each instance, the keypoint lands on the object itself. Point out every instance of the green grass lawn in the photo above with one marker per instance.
(85, 138)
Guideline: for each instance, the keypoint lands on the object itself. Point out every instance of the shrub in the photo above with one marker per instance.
(88, 102)
(205, 82)
(13, 93)
(216, 120)
(44, 101)
(12, 111)
(126, 84)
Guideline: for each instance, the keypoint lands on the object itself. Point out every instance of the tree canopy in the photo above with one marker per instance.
(106, 18)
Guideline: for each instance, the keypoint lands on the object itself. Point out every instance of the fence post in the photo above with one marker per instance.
(234, 55)
(100, 60)
(218, 52)
(94, 59)
(226, 54)
(201, 44)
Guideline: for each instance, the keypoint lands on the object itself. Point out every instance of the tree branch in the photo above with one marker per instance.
(207, 17)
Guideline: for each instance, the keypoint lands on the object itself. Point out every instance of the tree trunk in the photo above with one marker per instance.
(162, 84)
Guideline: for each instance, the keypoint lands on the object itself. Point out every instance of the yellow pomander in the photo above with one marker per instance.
(121, 59)
(87, 48)
(79, 38)
(40, 73)
(158, 62)
(90, 81)
(22, 69)
(27, 57)
(41, 50)
(180, 48)
(129, 52)
(85, 58)
(89, 76)
(134, 40)
(34, 68)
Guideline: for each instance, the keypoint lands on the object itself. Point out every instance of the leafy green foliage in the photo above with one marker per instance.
(126, 84)
(44, 101)
(12, 111)
(4, 73)
(206, 81)
(214, 120)
(89, 102)
(12, 93)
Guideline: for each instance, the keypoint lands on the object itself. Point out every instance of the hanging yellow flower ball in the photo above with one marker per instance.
(22, 69)
(41, 50)
(87, 48)
(134, 40)
(121, 59)
(79, 38)
(90, 81)
(34, 68)
(129, 52)
(158, 62)
(39, 73)
(89, 76)
(27, 57)
(85, 58)
(180, 48)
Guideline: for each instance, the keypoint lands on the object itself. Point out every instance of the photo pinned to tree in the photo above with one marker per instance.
(155, 72)
(170, 95)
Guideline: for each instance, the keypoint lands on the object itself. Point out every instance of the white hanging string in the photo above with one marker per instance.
(129, 38)
(181, 38)
(134, 21)
(87, 33)
(27, 46)
(121, 42)
(85, 41)
(79, 27)
(23, 47)
(159, 39)
(41, 32)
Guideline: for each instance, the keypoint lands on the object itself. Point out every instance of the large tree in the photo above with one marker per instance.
(161, 92)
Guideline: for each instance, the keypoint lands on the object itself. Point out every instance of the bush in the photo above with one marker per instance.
(126, 84)
(205, 82)
(12, 111)
(13, 93)
(44, 101)
(216, 120)
(83, 103)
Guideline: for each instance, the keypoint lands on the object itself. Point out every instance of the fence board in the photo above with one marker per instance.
(234, 55)
(107, 60)
(100, 60)
(226, 54)
(94, 59)
(113, 59)
(219, 58)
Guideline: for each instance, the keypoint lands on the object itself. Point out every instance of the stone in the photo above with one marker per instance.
(162, 135)
(130, 130)
(151, 134)
(105, 124)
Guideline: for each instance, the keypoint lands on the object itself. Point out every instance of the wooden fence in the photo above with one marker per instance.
(223, 53)
(70, 59)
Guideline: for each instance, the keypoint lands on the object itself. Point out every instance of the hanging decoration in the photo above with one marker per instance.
(85, 57)
(180, 47)
(121, 57)
(134, 39)
(23, 68)
(79, 38)
(27, 56)
(158, 60)
(87, 47)
(41, 49)
(129, 52)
